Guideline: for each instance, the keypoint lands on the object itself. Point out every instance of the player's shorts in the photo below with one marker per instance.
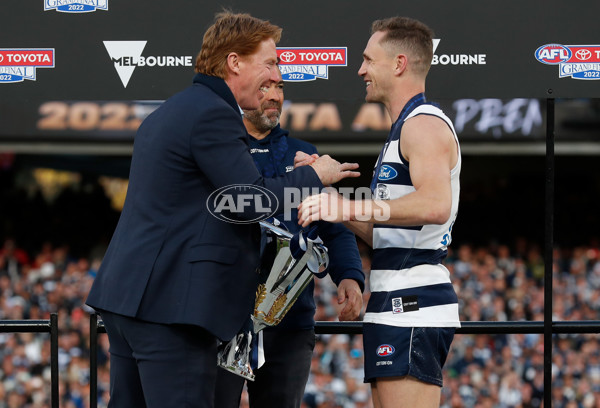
(419, 352)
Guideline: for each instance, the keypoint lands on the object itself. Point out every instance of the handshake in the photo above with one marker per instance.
(329, 170)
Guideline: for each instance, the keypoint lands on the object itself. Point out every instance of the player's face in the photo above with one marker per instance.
(377, 69)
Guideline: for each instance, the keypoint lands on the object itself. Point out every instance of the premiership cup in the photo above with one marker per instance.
(293, 259)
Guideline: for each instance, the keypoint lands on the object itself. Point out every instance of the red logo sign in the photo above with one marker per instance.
(29, 57)
(312, 56)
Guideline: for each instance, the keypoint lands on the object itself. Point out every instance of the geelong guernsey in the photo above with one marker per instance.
(409, 285)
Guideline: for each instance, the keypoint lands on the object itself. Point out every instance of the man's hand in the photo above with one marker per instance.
(328, 206)
(349, 292)
(304, 159)
(331, 171)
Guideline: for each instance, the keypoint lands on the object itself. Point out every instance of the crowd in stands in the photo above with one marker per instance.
(495, 282)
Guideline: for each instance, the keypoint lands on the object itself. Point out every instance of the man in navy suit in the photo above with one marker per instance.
(176, 278)
(288, 347)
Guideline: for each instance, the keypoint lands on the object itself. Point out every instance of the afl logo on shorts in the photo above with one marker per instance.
(385, 350)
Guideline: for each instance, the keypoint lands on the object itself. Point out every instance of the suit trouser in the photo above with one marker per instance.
(280, 382)
(160, 366)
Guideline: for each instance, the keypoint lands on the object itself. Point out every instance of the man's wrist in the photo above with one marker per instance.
(351, 216)
(360, 210)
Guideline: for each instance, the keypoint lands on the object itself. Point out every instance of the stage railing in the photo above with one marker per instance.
(40, 326)
(509, 327)
(97, 327)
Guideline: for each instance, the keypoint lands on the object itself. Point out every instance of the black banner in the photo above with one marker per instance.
(94, 68)
(118, 120)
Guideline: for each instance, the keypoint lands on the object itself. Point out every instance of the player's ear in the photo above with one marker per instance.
(401, 62)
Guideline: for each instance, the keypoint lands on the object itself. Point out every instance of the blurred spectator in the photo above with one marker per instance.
(496, 282)
(12, 259)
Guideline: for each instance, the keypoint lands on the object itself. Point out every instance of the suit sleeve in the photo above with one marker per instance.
(219, 146)
(344, 258)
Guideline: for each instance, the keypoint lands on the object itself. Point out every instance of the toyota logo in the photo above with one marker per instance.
(583, 54)
(1, 57)
(287, 56)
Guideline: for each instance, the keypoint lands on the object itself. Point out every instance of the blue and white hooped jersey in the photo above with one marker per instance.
(409, 285)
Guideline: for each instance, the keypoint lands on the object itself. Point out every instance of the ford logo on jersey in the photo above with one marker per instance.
(385, 350)
(387, 172)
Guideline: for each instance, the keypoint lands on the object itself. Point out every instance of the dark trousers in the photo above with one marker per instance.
(280, 382)
(160, 366)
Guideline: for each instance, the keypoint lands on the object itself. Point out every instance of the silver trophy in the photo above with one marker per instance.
(295, 259)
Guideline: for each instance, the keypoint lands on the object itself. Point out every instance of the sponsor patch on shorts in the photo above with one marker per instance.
(405, 304)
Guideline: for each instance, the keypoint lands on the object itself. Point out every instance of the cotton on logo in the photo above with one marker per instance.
(228, 202)
(385, 350)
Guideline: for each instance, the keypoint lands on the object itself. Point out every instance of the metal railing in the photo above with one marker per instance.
(508, 327)
(97, 327)
(40, 326)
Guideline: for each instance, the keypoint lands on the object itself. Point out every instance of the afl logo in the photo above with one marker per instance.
(227, 202)
(287, 56)
(553, 54)
(385, 350)
(387, 173)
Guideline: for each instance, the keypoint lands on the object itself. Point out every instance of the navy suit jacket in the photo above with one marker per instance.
(170, 260)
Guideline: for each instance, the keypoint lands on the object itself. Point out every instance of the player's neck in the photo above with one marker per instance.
(400, 98)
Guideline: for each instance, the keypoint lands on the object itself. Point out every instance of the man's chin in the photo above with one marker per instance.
(249, 105)
(271, 122)
(370, 99)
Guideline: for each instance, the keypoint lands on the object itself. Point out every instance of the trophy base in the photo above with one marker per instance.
(234, 355)
(245, 372)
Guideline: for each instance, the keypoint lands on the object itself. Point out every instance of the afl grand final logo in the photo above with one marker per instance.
(299, 64)
(18, 64)
(75, 6)
(574, 61)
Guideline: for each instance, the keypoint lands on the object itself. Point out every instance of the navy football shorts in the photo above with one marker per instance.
(419, 352)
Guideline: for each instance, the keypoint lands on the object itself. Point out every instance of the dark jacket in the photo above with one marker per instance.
(274, 156)
(170, 260)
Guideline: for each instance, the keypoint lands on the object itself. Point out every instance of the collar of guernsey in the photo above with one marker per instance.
(415, 101)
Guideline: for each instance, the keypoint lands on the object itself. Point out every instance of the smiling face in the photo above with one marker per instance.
(256, 72)
(262, 120)
(377, 69)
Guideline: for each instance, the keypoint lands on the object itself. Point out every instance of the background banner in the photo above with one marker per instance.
(95, 68)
